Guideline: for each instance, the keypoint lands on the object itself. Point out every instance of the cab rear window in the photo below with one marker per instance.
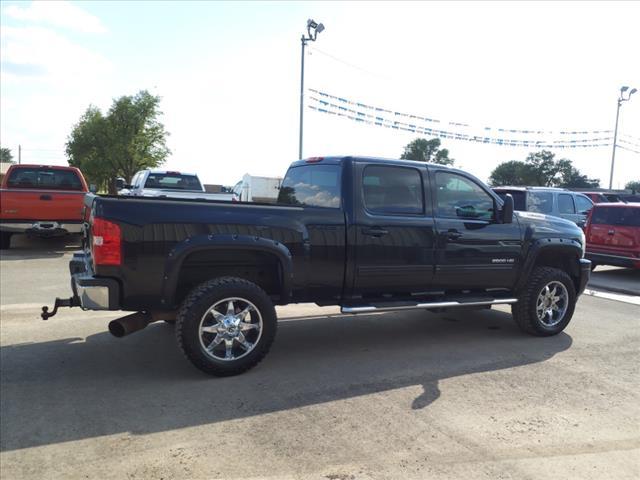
(44, 178)
(173, 181)
(312, 186)
(622, 216)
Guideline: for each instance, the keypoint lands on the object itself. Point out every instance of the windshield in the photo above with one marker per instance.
(44, 178)
(173, 181)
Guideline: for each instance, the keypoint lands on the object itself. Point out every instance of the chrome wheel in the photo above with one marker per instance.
(230, 329)
(552, 303)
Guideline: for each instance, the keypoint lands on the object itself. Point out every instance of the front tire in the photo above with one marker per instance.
(546, 304)
(226, 326)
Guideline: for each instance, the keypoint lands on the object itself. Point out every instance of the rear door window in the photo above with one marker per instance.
(621, 216)
(44, 178)
(540, 202)
(565, 203)
(390, 190)
(311, 185)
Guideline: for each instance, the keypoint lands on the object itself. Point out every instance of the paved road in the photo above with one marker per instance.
(396, 395)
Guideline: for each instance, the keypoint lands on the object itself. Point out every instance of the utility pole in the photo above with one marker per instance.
(313, 29)
(621, 99)
(19, 154)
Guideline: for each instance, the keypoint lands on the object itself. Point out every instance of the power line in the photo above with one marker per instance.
(349, 64)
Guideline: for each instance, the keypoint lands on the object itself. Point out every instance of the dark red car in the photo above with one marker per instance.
(613, 234)
(602, 197)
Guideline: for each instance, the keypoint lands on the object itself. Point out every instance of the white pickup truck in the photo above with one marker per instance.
(170, 184)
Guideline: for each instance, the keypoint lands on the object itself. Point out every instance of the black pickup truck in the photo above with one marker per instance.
(364, 233)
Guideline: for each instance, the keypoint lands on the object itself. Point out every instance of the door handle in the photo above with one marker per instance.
(611, 232)
(374, 231)
(453, 234)
(45, 197)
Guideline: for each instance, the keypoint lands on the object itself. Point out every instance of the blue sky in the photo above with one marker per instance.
(228, 75)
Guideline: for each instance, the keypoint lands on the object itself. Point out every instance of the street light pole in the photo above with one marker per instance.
(303, 40)
(313, 29)
(621, 99)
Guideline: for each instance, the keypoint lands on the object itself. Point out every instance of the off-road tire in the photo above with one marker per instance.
(199, 300)
(524, 312)
(5, 240)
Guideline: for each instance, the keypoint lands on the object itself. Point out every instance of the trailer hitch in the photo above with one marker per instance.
(60, 302)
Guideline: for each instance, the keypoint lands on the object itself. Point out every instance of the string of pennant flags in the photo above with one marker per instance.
(324, 102)
(624, 147)
(627, 142)
(457, 136)
(357, 116)
(397, 114)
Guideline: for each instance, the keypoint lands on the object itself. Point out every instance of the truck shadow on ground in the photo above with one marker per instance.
(24, 247)
(77, 388)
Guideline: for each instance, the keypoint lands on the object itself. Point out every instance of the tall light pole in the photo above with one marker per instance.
(621, 99)
(313, 29)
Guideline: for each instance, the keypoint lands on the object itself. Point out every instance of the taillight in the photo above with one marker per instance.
(314, 159)
(106, 242)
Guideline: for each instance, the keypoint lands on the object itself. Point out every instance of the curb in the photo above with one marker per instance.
(606, 288)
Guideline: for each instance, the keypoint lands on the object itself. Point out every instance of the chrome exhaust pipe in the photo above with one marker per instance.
(122, 327)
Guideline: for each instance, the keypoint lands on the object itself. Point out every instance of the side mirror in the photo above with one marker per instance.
(120, 183)
(93, 188)
(507, 209)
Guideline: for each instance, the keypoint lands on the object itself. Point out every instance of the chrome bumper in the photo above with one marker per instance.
(42, 227)
(93, 293)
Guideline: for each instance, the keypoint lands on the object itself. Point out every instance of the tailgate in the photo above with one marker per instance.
(41, 205)
(615, 228)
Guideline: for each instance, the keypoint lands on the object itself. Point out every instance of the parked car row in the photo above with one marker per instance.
(47, 201)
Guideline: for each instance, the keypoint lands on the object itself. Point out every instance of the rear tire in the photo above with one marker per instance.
(226, 326)
(5, 240)
(547, 303)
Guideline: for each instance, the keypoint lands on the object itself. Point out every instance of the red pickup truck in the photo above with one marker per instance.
(41, 200)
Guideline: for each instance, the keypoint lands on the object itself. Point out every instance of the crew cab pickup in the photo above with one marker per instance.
(363, 233)
(163, 184)
(41, 200)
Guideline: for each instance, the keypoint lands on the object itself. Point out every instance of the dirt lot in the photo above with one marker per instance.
(396, 395)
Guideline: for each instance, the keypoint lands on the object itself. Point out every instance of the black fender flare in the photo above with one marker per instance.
(541, 245)
(180, 251)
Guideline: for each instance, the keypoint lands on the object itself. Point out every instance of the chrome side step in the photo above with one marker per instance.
(428, 305)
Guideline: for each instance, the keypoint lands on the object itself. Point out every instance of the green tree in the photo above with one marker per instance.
(5, 155)
(634, 185)
(127, 139)
(87, 148)
(423, 150)
(572, 178)
(513, 172)
(541, 169)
